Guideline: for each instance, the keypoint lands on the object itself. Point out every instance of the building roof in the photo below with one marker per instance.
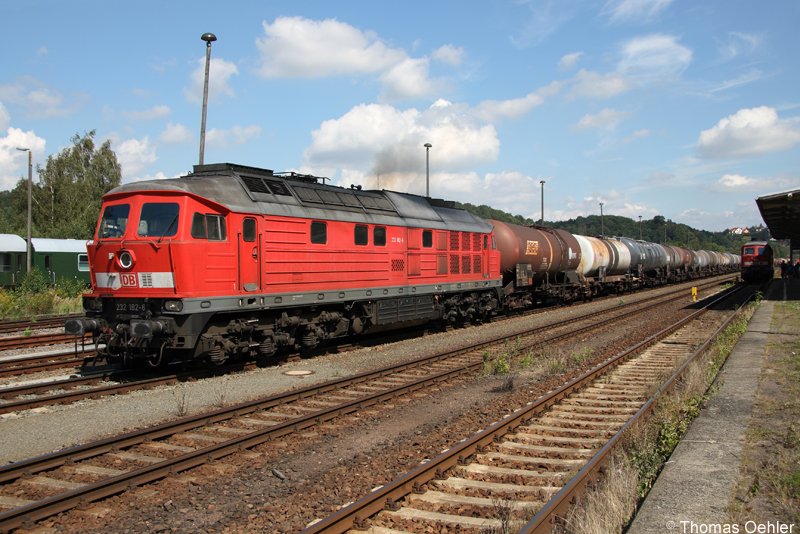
(42, 244)
(781, 213)
(12, 243)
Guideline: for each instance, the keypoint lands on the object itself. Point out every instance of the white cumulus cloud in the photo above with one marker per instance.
(749, 132)
(175, 134)
(606, 119)
(634, 10)
(591, 84)
(568, 61)
(448, 54)
(219, 77)
(656, 56)
(134, 156)
(13, 162)
(379, 140)
(296, 47)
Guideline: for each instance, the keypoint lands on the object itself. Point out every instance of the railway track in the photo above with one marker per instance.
(37, 488)
(37, 340)
(98, 384)
(22, 365)
(45, 321)
(523, 472)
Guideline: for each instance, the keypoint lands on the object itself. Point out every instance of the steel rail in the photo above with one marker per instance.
(546, 518)
(38, 510)
(355, 514)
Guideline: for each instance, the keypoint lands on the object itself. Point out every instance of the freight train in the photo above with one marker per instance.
(757, 262)
(235, 262)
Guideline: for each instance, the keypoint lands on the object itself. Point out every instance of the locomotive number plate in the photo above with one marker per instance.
(132, 307)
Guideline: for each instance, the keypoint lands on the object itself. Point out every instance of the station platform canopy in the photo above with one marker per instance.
(781, 214)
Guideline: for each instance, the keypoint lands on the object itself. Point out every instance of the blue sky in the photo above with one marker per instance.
(654, 107)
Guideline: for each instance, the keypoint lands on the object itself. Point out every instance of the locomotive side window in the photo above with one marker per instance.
(319, 233)
(209, 226)
(159, 219)
(5, 263)
(361, 236)
(379, 236)
(114, 221)
(83, 262)
(249, 230)
(427, 238)
(216, 227)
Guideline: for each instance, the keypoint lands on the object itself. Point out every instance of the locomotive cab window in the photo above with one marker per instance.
(209, 226)
(427, 238)
(749, 250)
(361, 236)
(379, 236)
(114, 221)
(83, 262)
(319, 233)
(159, 219)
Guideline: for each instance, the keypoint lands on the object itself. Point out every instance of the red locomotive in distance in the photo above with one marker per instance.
(757, 261)
(234, 261)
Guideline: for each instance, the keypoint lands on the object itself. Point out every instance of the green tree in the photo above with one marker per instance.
(71, 186)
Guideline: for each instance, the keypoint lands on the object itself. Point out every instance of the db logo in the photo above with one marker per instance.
(128, 279)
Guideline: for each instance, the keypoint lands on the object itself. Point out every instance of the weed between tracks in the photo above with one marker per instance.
(610, 504)
(542, 362)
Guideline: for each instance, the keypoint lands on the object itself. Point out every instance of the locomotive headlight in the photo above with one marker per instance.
(173, 305)
(125, 259)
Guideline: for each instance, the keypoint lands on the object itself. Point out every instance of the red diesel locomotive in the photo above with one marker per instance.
(234, 261)
(757, 262)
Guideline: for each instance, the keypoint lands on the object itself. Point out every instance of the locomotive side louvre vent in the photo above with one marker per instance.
(376, 203)
(441, 264)
(465, 264)
(398, 266)
(307, 194)
(278, 188)
(476, 264)
(254, 184)
(454, 263)
(476, 242)
(454, 241)
(465, 241)
(342, 198)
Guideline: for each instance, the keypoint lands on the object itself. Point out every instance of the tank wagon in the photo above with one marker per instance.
(234, 262)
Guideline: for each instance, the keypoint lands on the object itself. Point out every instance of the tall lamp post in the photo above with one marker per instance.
(542, 182)
(427, 169)
(208, 38)
(640, 227)
(30, 187)
(602, 226)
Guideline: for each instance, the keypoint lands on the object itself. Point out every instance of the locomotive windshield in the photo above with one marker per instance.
(159, 219)
(114, 221)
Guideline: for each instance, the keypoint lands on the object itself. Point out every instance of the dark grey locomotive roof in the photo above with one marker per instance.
(252, 190)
